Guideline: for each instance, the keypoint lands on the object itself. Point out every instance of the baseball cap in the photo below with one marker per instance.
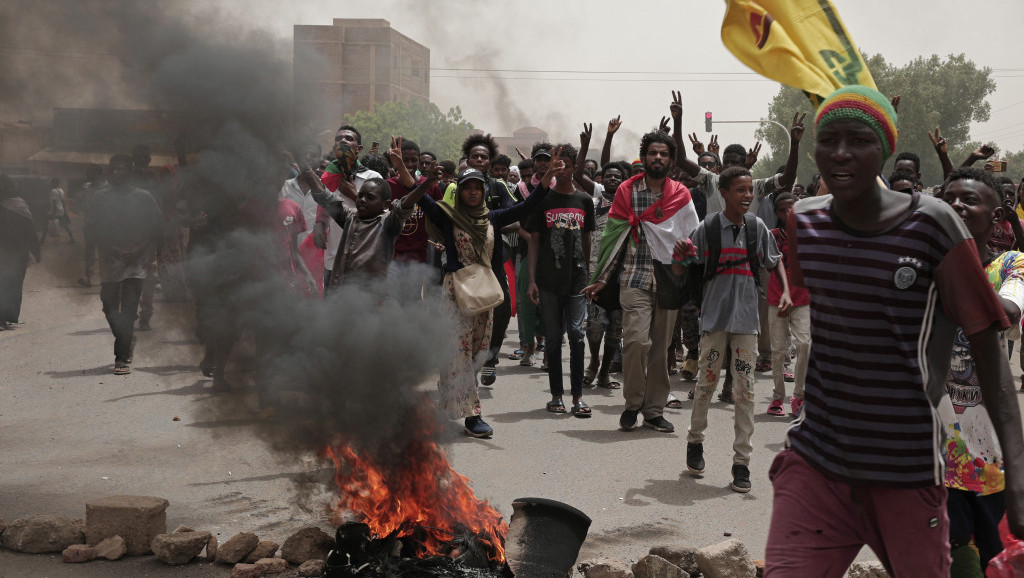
(470, 174)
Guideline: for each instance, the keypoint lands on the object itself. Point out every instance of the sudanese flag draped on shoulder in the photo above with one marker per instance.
(800, 43)
(666, 221)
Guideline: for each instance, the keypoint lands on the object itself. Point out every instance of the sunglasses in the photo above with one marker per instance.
(709, 165)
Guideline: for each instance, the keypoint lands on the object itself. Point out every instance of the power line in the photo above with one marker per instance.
(576, 79)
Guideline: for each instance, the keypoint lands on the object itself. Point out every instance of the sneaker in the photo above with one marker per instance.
(796, 405)
(660, 424)
(690, 394)
(488, 375)
(695, 458)
(627, 420)
(788, 376)
(477, 427)
(775, 407)
(689, 372)
(527, 360)
(740, 478)
(763, 365)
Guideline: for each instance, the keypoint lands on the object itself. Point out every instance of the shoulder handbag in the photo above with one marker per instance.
(476, 289)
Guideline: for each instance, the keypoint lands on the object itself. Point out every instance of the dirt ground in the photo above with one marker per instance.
(72, 432)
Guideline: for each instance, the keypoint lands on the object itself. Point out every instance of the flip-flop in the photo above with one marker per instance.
(581, 409)
(516, 355)
(609, 384)
(674, 402)
(588, 377)
(556, 406)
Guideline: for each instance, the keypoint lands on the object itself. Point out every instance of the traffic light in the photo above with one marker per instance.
(707, 122)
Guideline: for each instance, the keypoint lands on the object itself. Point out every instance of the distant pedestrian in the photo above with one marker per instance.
(126, 224)
(59, 208)
(17, 240)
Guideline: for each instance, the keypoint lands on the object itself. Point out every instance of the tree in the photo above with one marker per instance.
(949, 94)
(440, 133)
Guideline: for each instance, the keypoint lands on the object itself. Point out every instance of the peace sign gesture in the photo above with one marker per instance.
(797, 132)
(695, 144)
(939, 142)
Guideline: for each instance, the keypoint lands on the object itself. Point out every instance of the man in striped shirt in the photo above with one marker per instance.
(890, 276)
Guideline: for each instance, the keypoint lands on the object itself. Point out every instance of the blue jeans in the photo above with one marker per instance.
(561, 314)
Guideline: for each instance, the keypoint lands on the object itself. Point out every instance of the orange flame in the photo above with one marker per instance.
(424, 494)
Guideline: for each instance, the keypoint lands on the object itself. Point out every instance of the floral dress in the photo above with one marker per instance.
(458, 393)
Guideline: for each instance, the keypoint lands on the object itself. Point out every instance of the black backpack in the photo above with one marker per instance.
(698, 275)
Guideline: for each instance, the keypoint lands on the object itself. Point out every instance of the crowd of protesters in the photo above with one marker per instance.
(669, 264)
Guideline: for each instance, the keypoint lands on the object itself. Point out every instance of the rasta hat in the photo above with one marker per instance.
(636, 163)
(867, 105)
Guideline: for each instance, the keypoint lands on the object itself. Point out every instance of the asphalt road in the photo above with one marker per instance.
(71, 431)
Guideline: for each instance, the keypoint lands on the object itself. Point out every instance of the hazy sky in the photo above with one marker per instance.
(633, 54)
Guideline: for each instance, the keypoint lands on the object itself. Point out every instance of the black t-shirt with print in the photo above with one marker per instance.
(562, 220)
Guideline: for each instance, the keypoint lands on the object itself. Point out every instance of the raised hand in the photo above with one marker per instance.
(585, 135)
(395, 152)
(663, 125)
(983, 152)
(895, 102)
(522, 157)
(713, 145)
(695, 144)
(795, 133)
(614, 124)
(752, 153)
(939, 142)
(434, 172)
(676, 107)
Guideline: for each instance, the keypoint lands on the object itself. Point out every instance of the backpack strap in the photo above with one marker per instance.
(713, 237)
(750, 226)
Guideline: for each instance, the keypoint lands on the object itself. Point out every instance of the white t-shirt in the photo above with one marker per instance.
(334, 232)
(291, 190)
(56, 202)
(716, 204)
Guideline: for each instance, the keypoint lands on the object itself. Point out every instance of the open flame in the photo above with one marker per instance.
(424, 496)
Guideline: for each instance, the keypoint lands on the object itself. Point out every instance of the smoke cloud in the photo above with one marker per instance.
(342, 369)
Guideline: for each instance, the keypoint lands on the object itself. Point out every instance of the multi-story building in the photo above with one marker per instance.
(353, 65)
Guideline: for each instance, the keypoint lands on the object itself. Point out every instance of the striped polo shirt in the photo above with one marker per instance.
(884, 308)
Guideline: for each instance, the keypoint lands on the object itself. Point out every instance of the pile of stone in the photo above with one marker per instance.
(728, 559)
(119, 526)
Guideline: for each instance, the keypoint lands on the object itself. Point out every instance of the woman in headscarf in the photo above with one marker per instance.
(467, 232)
(17, 240)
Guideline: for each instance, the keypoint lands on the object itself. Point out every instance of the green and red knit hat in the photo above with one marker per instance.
(857, 102)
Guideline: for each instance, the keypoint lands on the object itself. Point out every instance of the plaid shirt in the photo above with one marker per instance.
(638, 265)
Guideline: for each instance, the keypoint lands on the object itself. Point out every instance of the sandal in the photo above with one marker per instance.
(673, 402)
(581, 409)
(588, 376)
(608, 384)
(516, 355)
(122, 368)
(487, 375)
(556, 406)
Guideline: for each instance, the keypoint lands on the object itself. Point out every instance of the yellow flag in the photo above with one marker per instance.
(800, 43)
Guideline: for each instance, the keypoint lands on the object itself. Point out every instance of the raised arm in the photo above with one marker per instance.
(795, 134)
(689, 167)
(979, 154)
(606, 150)
(676, 110)
(502, 217)
(941, 149)
(578, 175)
(433, 174)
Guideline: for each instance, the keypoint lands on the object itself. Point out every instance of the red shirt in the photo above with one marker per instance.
(290, 223)
(798, 294)
(411, 245)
